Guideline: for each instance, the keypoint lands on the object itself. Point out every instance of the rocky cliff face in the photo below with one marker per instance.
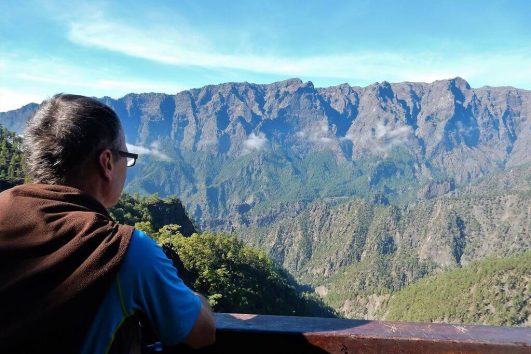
(445, 121)
(15, 120)
(221, 148)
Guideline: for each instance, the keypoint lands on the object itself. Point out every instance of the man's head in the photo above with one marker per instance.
(75, 140)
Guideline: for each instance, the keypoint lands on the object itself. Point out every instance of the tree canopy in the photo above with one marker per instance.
(233, 276)
(11, 165)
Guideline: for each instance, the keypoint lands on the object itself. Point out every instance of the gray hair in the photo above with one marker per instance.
(64, 133)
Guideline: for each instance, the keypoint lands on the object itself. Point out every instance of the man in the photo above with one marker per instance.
(71, 279)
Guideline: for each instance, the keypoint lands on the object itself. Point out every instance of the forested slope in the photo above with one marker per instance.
(11, 169)
(492, 291)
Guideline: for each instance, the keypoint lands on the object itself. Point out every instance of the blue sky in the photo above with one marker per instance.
(111, 48)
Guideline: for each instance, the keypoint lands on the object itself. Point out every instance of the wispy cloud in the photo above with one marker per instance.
(317, 134)
(168, 45)
(153, 150)
(390, 136)
(383, 137)
(254, 142)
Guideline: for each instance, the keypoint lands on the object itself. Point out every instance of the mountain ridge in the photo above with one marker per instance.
(408, 140)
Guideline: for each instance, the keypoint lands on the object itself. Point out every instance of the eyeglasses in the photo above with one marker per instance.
(131, 158)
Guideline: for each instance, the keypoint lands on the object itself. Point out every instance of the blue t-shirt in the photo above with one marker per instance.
(146, 281)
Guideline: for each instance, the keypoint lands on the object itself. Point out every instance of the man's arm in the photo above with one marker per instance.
(203, 332)
(176, 313)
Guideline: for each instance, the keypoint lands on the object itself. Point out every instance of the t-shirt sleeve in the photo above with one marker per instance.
(171, 307)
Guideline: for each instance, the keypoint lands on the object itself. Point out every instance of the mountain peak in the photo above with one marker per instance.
(460, 83)
(457, 82)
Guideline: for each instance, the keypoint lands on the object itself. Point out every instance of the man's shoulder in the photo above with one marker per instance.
(143, 252)
(140, 239)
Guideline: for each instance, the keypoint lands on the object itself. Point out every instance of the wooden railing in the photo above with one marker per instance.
(239, 333)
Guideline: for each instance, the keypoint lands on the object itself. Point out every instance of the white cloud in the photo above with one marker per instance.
(382, 138)
(185, 47)
(317, 134)
(397, 135)
(153, 150)
(387, 137)
(166, 45)
(254, 142)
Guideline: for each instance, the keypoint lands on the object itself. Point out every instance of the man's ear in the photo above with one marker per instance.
(106, 164)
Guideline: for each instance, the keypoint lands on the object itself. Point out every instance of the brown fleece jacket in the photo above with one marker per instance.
(59, 252)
